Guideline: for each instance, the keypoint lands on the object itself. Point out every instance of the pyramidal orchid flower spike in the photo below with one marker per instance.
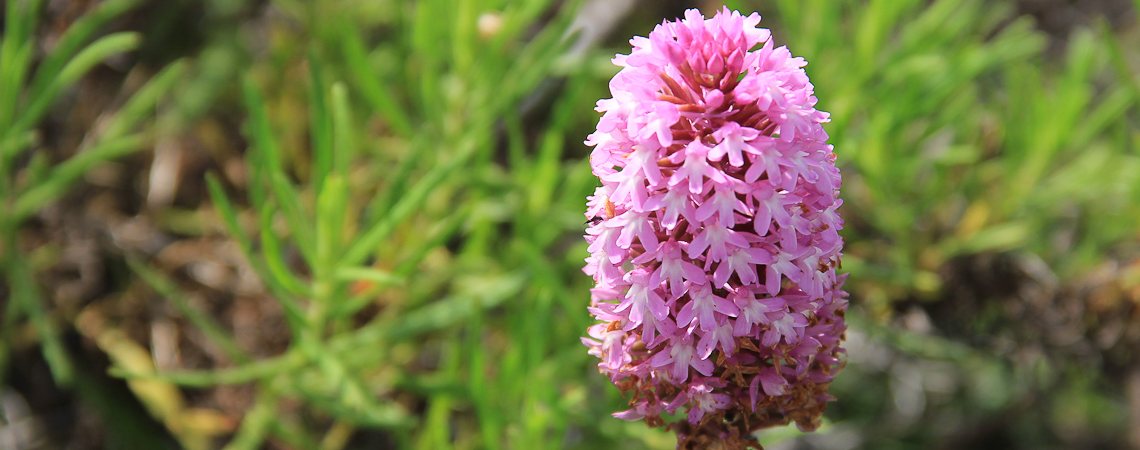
(714, 236)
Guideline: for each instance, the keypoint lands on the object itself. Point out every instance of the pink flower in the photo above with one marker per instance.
(679, 359)
(703, 398)
(714, 236)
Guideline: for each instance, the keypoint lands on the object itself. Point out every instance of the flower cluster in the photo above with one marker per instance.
(713, 237)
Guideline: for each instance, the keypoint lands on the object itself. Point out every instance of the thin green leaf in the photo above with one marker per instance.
(245, 373)
(142, 104)
(372, 237)
(229, 214)
(378, 95)
(375, 276)
(20, 20)
(256, 424)
(78, 33)
(269, 169)
(289, 287)
(344, 129)
(320, 124)
(61, 178)
(26, 293)
(332, 205)
(203, 322)
(83, 62)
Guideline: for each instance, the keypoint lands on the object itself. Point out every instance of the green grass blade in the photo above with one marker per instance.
(83, 62)
(245, 373)
(20, 19)
(71, 40)
(203, 322)
(344, 129)
(372, 88)
(229, 215)
(332, 205)
(61, 178)
(371, 239)
(256, 424)
(142, 104)
(226, 209)
(26, 293)
(375, 276)
(266, 154)
(320, 124)
(280, 277)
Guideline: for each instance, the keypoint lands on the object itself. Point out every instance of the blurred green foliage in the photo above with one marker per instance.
(962, 136)
(412, 197)
(28, 179)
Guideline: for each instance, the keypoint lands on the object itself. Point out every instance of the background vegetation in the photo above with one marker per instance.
(356, 224)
